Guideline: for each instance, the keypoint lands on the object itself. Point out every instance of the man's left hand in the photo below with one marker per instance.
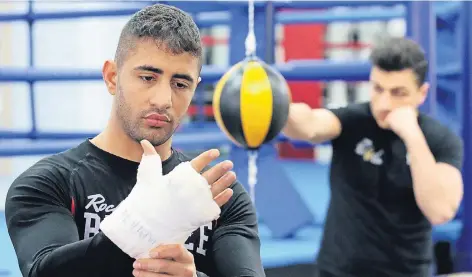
(166, 260)
(404, 122)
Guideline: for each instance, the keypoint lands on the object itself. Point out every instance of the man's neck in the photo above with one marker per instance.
(118, 143)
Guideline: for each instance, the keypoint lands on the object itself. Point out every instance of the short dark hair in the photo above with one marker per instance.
(168, 26)
(399, 53)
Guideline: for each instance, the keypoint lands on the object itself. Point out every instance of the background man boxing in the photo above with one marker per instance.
(394, 171)
(73, 213)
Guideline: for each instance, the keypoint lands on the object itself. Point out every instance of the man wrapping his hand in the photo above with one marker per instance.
(125, 202)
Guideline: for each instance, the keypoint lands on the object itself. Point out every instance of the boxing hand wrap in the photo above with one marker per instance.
(160, 209)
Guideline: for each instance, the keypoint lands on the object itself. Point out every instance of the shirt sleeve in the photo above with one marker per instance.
(450, 150)
(45, 236)
(349, 117)
(236, 243)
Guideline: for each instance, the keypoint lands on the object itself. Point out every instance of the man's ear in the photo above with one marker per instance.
(424, 89)
(109, 73)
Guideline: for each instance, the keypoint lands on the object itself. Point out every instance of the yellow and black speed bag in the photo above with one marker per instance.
(251, 103)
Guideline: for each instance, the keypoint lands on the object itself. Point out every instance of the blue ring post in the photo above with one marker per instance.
(463, 260)
(30, 21)
(421, 27)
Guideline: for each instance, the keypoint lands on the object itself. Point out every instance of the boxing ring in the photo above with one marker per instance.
(289, 238)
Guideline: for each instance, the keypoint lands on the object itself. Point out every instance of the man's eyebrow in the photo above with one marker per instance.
(184, 77)
(160, 71)
(149, 68)
(398, 88)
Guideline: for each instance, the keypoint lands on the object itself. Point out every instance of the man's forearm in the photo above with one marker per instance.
(432, 193)
(299, 129)
(81, 258)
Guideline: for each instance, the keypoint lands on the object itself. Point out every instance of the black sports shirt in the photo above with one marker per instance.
(374, 226)
(54, 209)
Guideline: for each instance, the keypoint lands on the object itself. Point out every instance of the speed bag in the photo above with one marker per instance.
(251, 103)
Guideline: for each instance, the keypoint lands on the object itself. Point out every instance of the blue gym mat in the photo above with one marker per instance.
(302, 248)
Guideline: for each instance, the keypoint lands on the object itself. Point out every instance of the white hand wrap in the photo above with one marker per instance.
(160, 209)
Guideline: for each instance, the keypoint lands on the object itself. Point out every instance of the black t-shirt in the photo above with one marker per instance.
(53, 212)
(374, 226)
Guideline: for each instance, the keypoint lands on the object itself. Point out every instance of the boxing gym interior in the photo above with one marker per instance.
(52, 97)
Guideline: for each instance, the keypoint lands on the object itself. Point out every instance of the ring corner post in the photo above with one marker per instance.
(421, 27)
(463, 259)
(31, 84)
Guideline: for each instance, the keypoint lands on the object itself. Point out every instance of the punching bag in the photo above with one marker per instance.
(251, 103)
